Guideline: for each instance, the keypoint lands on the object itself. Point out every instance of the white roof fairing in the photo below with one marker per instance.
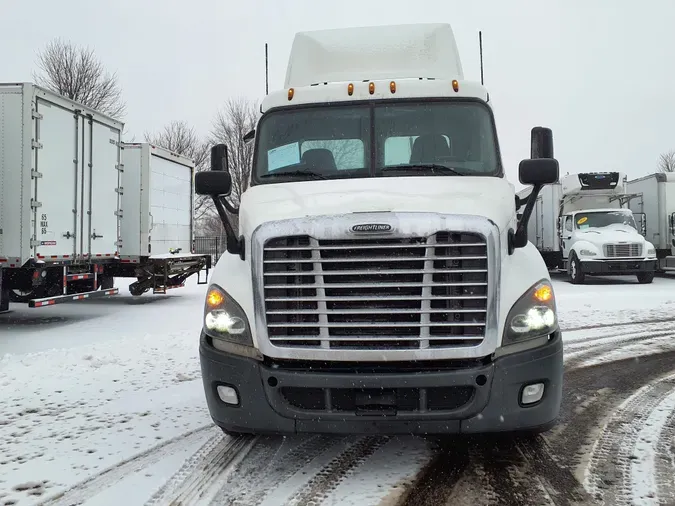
(374, 53)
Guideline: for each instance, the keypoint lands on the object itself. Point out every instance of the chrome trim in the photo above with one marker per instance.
(406, 225)
(622, 250)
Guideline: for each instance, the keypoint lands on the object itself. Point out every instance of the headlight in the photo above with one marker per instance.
(533, 315)
(224, 319)
(651, 252)
(587, 253)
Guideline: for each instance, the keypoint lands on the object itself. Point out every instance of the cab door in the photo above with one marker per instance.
(566, 235)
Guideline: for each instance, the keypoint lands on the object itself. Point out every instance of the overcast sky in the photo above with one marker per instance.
(602, 75)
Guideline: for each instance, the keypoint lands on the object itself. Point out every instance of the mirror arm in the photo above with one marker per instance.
(233, 245)
(520, 239)
(230, 207)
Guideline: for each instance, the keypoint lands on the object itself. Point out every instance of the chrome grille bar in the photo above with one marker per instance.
(310, 303)
(627, 250)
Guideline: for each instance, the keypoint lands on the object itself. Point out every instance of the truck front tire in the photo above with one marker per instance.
(574, 272)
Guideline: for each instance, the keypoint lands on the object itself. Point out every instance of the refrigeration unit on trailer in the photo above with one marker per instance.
(583, 225)
(378, 280)
(658, 205)
(156, 220)
(59, 182)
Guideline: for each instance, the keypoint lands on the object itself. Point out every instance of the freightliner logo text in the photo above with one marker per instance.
(371, 227)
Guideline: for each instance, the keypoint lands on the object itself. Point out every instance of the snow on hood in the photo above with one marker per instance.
(491, 197)
(611, 234)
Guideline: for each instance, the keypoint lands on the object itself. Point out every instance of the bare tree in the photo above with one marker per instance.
(180, 138)
(77, 74)
(237, 118)
(667, 161)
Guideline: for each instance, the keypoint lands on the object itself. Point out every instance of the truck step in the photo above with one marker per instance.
(60, 299)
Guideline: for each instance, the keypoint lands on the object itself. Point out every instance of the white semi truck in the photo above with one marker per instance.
(583, 225)
(379, 281)
(78, 207)
(658, 206)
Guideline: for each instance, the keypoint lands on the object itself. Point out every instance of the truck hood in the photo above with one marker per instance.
(612, 234)
(491, 197)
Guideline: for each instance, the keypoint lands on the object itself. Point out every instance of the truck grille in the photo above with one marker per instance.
(623, 250)
(398, 293)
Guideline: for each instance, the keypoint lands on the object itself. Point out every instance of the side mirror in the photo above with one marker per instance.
(213, 183)
(538, 172)
(219, 159)
(541, 143)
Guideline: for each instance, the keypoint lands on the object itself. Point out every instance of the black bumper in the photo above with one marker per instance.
(618, 267)
(481, 398)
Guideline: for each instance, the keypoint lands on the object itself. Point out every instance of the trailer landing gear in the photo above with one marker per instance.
(165, 273)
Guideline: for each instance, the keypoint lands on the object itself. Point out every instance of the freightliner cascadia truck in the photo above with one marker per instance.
(379, 280)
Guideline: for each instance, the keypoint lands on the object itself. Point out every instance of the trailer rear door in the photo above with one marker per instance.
(102, 183)
(171, 204)
(55, 215)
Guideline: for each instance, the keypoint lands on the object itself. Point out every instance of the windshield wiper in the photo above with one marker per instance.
(291, 173)
(432, 168)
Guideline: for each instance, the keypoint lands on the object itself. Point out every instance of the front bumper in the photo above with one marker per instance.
(484, 397)
(618, 267)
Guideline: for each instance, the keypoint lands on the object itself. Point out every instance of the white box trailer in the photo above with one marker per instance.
(57, 159)
(542, 229)
(658, 206)
(59, 200)
(157, 202)
(61, 190)
(156, 219)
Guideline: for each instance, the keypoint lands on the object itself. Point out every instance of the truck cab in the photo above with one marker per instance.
(598, 234)
(379, 280)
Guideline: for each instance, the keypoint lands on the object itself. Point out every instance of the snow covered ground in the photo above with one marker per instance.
(98, 394)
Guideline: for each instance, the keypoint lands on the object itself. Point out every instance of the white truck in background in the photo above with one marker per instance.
(583, 225)
(379, 281)
(658, 206)
(69, 210)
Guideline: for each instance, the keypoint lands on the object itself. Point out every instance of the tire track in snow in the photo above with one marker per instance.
(652, 471)
(619, 324)
(438, 478)
(196, 478)
(511, 476)
(665, 467)
(330, 475)
(277, 471)
(613, 348)
(608, 476)
(93, 485)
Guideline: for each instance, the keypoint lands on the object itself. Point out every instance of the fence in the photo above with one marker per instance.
(210, 245)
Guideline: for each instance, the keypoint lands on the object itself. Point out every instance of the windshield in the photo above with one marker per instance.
(604, 219)
(370, 140)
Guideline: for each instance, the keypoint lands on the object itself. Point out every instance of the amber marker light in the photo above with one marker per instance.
(544, 293)
(214, 298)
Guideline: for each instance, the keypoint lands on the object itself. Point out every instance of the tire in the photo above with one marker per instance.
(20, 296)
(645, 278)
(574, 272)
